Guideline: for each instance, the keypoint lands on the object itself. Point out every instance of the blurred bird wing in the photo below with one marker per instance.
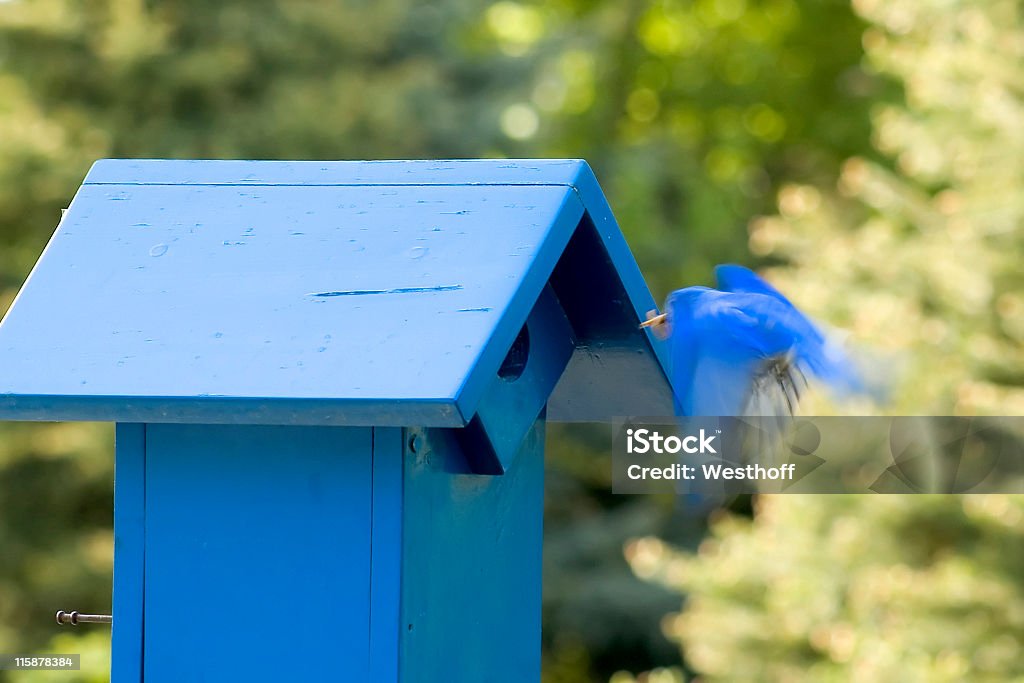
(819, 353)
(733, 278)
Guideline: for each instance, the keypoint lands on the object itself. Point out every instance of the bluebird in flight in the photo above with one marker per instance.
(745, 349)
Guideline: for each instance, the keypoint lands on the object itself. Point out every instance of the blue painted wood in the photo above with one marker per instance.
(563, 172)
(471, 577)
(512, 402)
(386, 555)
(618, 369)
(129, 555)
(257, 553)
(344, 293)
(380, 301)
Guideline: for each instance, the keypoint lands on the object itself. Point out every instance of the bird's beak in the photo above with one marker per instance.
(657, 323)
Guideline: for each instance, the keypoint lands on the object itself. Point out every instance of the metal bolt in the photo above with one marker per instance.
(75, 618)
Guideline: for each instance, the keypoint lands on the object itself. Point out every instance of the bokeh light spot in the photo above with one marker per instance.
(519, 121)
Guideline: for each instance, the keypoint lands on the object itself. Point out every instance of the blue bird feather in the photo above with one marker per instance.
(745, 349)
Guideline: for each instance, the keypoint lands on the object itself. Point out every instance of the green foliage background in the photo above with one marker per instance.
(853, 133)
(919, 253)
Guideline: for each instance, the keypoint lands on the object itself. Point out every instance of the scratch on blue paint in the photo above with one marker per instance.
(397, 290)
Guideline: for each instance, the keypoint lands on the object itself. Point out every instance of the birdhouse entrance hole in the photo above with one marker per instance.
(515, 362)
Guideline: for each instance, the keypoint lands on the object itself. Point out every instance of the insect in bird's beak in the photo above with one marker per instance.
(657, 323)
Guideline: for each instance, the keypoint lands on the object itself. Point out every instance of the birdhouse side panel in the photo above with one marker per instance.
(471, 570)
(129, 553)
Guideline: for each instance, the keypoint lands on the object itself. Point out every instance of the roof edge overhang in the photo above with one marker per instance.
(567, 172)
(618, 368)
(212, 409)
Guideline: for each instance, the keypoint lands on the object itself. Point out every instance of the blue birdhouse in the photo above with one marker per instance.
(330, 383)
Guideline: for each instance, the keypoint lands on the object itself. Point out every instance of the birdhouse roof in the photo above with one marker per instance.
(348, 293)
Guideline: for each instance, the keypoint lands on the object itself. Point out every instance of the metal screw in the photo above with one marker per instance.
(75, 618)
